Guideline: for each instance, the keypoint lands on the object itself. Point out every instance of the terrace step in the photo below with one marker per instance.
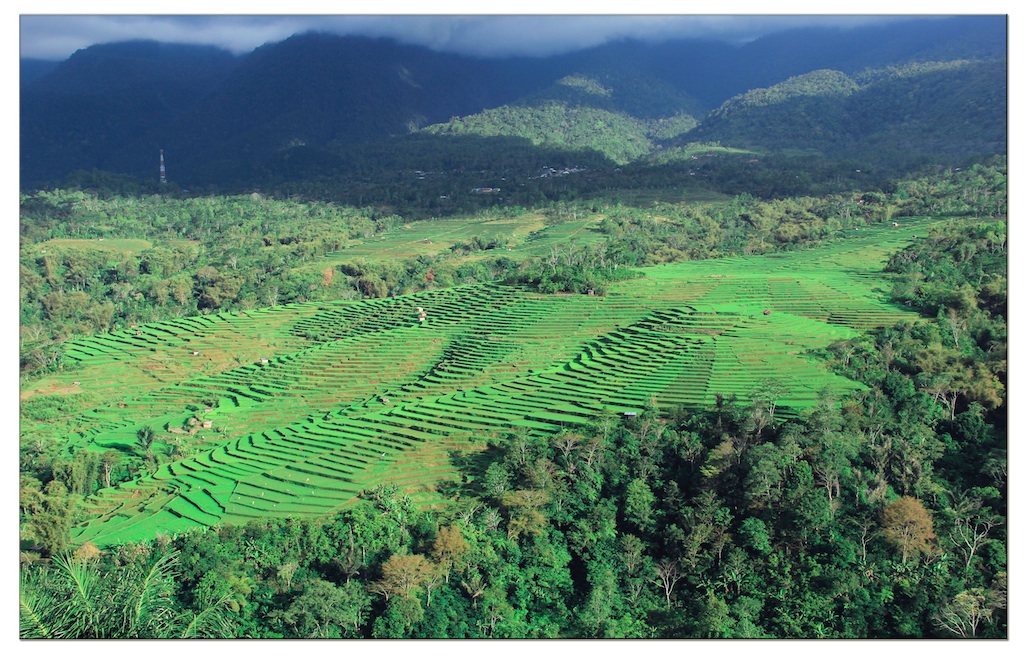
(385, 398)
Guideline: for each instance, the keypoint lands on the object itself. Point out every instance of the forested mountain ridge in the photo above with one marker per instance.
(955, 109)
(311, 88)
(107, 107)
(327, 91)
(611, 115)
(221, 119)
(33, 68)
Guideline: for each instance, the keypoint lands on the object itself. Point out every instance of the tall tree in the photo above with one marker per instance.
(403, 575)
(908, 525)
(449, 549)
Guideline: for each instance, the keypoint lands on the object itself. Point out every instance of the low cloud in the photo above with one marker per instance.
(57, 37)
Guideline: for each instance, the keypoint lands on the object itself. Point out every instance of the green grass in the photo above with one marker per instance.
(435, 236)
(387, 399)
(521, 236)
(113, 244)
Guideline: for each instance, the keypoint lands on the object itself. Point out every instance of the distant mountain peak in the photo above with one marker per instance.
(110, 106)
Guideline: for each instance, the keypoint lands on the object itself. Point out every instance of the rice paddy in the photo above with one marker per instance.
(519, 237)
(295, 410)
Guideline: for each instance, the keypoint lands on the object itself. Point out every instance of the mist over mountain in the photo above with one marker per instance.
(220, 118)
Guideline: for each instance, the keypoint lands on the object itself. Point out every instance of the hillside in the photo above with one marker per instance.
(613, 116)
(702, 419)
(109, 107)
(324, 91)
(224, 120)
(304, 433)
(951, 110)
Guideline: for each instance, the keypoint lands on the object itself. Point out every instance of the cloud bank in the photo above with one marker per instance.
(55, 37)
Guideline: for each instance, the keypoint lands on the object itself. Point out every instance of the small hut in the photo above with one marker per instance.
(207, 424)
(264, 360)
(629, 415)
(767, 311)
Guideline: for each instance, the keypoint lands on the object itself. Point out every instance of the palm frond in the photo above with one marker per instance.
(210, 622)
(151, 606)
(82, 607)
(34, 613)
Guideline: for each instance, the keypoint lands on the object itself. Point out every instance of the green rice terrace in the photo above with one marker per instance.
(297, 409)
(520, 236)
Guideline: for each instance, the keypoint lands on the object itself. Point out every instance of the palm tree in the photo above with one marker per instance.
(146, 437)
(63, 601)
(73, 599)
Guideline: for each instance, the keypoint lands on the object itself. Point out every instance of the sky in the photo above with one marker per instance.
(49, 32)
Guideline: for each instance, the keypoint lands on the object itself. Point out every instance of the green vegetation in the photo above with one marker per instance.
(619, 137)
(617, 116)
(630, 342)
(244, 416)
(481, 356)
(683, 523)
(869, 117)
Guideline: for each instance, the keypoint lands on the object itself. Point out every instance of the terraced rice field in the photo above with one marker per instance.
(526, 235)
(389, 397)
(418, 238)
(118, 245)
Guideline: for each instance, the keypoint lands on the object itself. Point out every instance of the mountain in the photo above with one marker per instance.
(114, 106)
(108, 107)
(314, 98)
(953, 109)
(957, 109)
(776, 57)
(713, 72)
(617, 116)
(34, 68)
(322, 90)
